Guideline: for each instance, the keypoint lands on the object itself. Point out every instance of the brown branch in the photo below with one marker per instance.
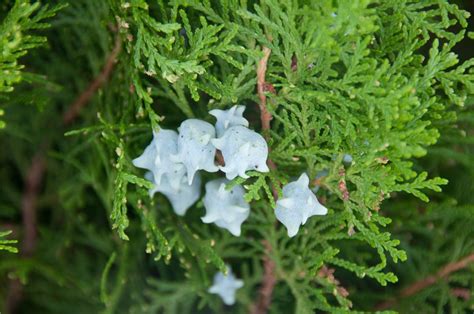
(462, 293)
(428, 281)
(269, 278)
(37, 170)
(29, 201)
(265, 115)
(268, 283)
(262, 305)
(71, 114)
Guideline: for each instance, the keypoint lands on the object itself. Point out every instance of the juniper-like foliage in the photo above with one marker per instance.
(389, 82)
(7, 245)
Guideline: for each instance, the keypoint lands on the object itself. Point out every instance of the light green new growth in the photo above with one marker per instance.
(7, 245)
(16, 39)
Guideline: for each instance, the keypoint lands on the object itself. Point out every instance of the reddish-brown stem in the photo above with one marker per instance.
(71, 114)
(462, 293)
(262, 304)
(37, 170)
(265, 115)
(268, 282)
(29, 200)
(417, 286)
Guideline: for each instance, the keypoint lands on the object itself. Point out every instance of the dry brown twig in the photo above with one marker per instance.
(37, 170)
(417, 286)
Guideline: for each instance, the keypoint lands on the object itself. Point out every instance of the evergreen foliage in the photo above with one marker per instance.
(7, 245)
(384, 81)
(16, 40)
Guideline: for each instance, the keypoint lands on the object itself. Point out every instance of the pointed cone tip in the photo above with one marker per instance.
(214, 112)
(217, 142)
(264, 168)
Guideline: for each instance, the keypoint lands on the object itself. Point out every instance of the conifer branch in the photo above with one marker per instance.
(265, 115)
(262, 87)
(269, 278)
(29, 200)
(71, 114)
(268, 282)
(36, 173)
(420, 285)
(355, 94)
(328, 273)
